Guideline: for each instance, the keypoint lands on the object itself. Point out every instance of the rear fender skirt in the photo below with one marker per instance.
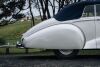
(62, 36)
(83, 35)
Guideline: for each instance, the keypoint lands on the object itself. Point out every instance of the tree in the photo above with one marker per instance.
(43, 6)
(11, 9)
(30, 7)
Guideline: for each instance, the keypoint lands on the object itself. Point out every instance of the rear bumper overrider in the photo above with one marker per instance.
(20, 44)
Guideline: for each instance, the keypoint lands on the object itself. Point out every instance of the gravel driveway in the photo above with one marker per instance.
(48, 61)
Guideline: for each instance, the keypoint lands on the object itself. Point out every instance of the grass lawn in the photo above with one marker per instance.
(12, 32)
(20, 51)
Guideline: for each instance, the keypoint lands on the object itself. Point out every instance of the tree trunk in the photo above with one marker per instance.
(46, 9)
(48, 13)
(7, 50)
(33, 21)
(43, 9)
(39, 10)
(59, 5)
(53, 7)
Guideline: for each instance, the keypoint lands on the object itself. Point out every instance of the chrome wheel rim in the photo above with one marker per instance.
(66, 52)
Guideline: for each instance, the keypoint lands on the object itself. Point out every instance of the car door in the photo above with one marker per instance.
(88, 27)
(97, 22)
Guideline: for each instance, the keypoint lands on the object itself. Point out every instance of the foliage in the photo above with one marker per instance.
(4, 22)
(18, 16)
(43, 6)
(12, 32)
(11, 9)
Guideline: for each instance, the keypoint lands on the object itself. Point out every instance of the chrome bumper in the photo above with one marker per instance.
(19, 45)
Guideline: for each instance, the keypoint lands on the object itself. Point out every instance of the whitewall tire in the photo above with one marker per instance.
(66, 53)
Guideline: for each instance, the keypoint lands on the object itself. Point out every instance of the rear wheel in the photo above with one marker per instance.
(65, 53)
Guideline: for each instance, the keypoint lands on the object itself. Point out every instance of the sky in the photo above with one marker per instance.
(35, 11)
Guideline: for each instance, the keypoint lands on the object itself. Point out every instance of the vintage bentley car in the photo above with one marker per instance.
(75, 27)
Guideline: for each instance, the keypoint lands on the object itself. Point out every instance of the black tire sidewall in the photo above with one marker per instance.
(60, 55)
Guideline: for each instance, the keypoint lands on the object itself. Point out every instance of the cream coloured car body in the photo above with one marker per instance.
(97, 22)
(53, 34)
(70, 28)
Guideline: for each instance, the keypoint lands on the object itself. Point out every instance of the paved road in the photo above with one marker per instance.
(48, 61)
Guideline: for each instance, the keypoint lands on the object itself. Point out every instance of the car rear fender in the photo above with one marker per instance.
(62, 36)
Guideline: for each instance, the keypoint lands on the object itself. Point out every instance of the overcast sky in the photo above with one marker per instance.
(35, 11)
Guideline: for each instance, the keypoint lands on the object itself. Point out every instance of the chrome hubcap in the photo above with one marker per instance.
(66, 52)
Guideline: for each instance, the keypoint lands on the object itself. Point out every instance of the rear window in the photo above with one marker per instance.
(98, 10)
(88, 11)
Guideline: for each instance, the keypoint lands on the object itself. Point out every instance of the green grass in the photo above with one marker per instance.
(2, 50)
(12, 32)
(20, 51)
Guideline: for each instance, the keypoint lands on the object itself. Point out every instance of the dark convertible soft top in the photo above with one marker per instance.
(74, 11)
